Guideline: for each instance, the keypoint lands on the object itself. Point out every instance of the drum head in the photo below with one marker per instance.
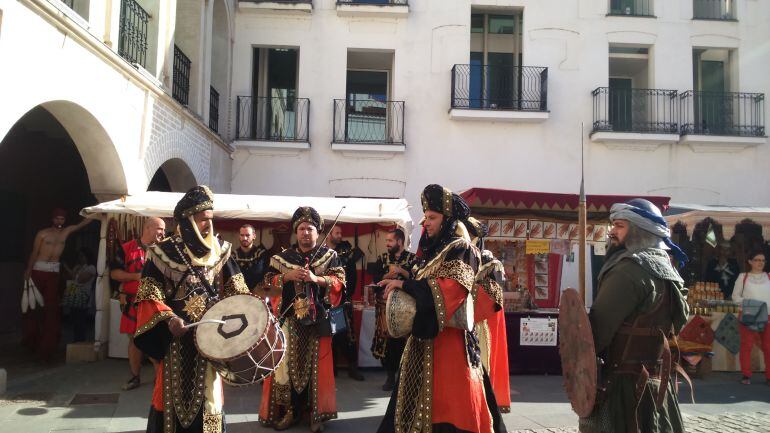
(246, 317)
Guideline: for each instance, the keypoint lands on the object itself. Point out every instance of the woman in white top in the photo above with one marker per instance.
(754, 284)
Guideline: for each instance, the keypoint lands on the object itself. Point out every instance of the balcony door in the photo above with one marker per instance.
(366, 113)
(713, 111)
(274, 94)
(621, 113)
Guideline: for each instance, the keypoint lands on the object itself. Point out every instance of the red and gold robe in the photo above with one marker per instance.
(490, 328)
(305, 377)
(188, 395)
(442, 385)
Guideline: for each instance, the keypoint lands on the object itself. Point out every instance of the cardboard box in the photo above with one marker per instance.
(85, 351)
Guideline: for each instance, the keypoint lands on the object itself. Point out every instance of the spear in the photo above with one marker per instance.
(582, 224)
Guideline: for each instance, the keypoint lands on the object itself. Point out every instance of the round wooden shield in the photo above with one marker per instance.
(578, 356)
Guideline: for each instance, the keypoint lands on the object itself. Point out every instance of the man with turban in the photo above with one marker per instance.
(640, 305)
(309, 279)
(490, 317)
(442, 386)
(42, 325)
(185, 274)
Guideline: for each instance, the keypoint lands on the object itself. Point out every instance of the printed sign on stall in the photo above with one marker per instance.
(538, 331)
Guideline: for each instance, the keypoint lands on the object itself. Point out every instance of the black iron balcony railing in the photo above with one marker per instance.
(722, 113)
(272, 118)
(635, 110)
(213, 109)
(132, 44)
(373, 2)
(487, 87)
(182, 64)
(277, 1)
(633, 8)
(723, 10)
(368, 121)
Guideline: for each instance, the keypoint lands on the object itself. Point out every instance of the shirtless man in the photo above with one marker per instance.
(42, 326)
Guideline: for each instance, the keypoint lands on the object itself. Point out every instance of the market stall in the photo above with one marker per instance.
(535, 235)
(363, 223)
(717, 239)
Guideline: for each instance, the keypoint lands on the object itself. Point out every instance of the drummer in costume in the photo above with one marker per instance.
(396, 264)
(252, 259)
(183, 275)
(442, 385)
(490, 317)
(640, 305)
(310, 280)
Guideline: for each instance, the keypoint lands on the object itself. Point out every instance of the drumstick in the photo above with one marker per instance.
(203, 322)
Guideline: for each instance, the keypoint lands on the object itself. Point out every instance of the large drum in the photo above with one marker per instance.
(248, 346)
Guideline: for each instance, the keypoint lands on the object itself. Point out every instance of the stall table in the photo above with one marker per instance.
(531, 359)
(723, 360)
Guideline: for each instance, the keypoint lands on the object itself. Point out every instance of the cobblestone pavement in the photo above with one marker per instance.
(756, 422)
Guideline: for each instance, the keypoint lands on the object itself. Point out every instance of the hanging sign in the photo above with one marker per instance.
(538, 246)
(538, 331)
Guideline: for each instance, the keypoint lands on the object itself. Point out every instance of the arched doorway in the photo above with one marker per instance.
(55, 155)
(173, 175)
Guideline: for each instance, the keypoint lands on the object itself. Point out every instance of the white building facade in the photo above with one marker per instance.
(132, 82)
(377, 98)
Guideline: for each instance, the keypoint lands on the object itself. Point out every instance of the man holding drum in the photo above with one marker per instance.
(310, 280)
(183, 276)
(442, 385)
(396, 264)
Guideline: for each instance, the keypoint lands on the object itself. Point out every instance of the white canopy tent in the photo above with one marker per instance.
(264, 208)
(231, 206)
(727, 216)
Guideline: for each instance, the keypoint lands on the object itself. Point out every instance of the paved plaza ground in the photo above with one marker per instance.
(86, 398)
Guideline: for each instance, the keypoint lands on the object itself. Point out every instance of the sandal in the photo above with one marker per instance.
(746, 380)
(132, 383)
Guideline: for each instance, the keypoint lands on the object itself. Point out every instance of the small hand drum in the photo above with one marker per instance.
(248, 346)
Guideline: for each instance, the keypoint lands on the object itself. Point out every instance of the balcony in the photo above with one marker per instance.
(273, 122)
(373, 8)
(720, 10)
(132, 44)
(640, 118)
(502, 93)
(369, 125)
(300, 7)
(722, 120)
(181, 87)
(631, 8)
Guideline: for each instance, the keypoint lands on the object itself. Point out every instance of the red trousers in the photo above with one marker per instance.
(748, 339)
(42, 326)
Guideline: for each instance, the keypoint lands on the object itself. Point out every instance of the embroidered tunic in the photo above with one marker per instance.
(442, 386)
(188, 390)
(306, 376)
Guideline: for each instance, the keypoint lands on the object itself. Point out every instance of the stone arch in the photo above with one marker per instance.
(176, 146)
(106, 173)
(177, 172)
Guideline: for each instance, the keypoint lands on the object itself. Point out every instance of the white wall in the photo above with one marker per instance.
(571, 38)
(125, 127)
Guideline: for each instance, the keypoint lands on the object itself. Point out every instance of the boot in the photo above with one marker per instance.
(287, 421)
(390, 382)
(355, 374)
(316, 427)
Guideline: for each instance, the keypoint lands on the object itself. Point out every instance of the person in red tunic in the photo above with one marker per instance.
(442, 386)
(127, 269)
(310, 280)
(490, 317)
